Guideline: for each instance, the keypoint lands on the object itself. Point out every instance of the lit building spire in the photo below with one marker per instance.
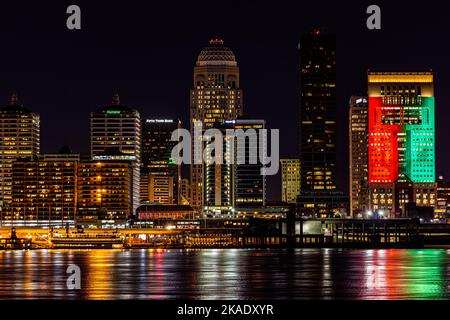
(216, 42)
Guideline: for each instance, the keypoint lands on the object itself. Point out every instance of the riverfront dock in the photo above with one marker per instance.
(264, 233)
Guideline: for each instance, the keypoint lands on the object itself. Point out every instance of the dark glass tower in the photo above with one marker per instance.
(160, 175)
(250, 183)
(157, 144)
(318, 111)
(234, 185)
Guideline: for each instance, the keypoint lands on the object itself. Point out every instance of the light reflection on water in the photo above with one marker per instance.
(228, 274)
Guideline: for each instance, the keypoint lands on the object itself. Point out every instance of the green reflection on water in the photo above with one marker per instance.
(425, 274)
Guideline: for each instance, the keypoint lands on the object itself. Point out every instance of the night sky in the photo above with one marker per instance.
(146, 52)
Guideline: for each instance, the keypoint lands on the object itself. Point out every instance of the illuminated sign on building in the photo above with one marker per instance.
(159, 121)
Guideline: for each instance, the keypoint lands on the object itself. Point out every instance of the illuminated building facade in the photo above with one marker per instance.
(219, 179)
(19, 137)
(290, 179)
(185, 193)
(401, 135)
(358, 155)
(250, 184)
(318, 111)
(43, 193)
(425, 194)
(161, 189)
(104, 192)
(382, 196)
(442, 209)
(269, 211)
(61, 189)
(153, 212)
(239, 183)
(116, 135)
(415, 194)
(159, 174)
(322, 204)
(318, 125)
(216, 96)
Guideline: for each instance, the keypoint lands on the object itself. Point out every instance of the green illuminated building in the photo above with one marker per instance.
(420, 144)
(401, 140)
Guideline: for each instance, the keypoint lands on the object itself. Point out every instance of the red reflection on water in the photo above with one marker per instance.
(158, 282)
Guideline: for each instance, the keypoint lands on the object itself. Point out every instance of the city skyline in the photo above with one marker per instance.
(174, 52)
(224, 153)
(116, 102)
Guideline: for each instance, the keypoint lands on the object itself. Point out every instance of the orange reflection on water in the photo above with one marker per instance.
(99, 274)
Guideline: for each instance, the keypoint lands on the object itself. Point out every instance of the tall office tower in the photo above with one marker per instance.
(116, 135)
(219, 179)
(104, 192)
(250, 184)
(318, 111)
(318, 196)
(358, 155)
(215, 97)
(290, 179)
(19, 137)
(401, 136)
(238, 182)
(159, 174)
(43, 192)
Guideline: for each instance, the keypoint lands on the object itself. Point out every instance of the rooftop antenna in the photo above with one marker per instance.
(116, 100)
(14, 99)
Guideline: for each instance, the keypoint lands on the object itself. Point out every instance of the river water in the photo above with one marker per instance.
(228, 274)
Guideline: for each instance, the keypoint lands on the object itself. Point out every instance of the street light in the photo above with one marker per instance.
(381, 213)
(369, 213)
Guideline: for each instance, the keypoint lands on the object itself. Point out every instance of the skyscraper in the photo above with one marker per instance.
(318, 111)
(219, 181)
(250, 183)
(401, 137)
(19, 137)
(116, 135)
(318, 196)
(290, 179)
(239, 183)
(216, 96)
(159, 175)
(358, 155)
